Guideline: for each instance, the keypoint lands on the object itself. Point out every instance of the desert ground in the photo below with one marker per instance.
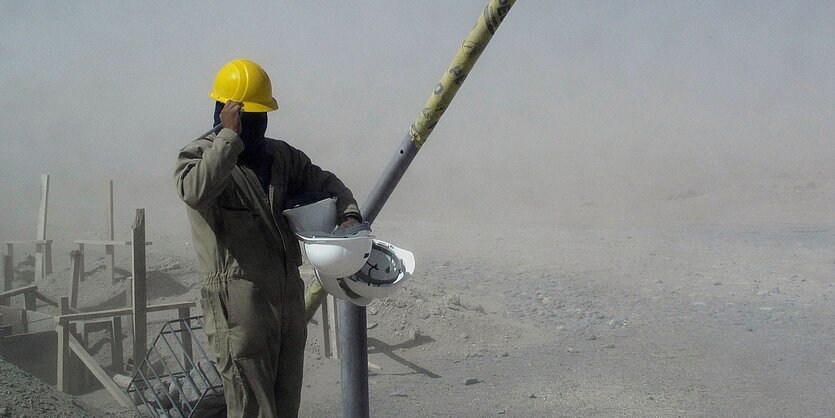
(731, 315)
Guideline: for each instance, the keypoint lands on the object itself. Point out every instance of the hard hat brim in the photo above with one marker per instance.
(252, 107)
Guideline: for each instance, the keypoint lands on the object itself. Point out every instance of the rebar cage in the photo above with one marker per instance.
(177, 378)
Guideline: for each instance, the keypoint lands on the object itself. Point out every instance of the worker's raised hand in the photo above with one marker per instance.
(230, 116)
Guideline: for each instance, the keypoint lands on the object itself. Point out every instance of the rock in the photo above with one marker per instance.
(465, 336)
(471, 381)
(399, 393)
(610, 345)
(503, 354)
(531, 396)
(500, 412)
(371, 325)
(414, 334)
(372, 310)
(618, 323)
(424, 315)
(452, 300)
(592, 337)
(572, 350)
(717, 283)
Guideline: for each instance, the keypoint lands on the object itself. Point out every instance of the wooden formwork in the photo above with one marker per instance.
(68, 327)
(43, 246)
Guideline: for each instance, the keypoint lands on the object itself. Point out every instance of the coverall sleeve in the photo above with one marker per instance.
(204, 167)
(314, 179)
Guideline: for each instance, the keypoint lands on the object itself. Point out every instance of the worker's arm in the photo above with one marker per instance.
(311, 178)
(204, 166)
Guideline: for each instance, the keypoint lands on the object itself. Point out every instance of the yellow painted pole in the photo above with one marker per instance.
(457, 72)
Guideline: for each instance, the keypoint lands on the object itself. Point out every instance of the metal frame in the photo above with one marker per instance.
(177, 376)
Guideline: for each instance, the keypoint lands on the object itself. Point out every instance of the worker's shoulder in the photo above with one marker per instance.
(199, 144)
(280, 146)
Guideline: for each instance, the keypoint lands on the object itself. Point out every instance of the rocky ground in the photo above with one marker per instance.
(708, 319)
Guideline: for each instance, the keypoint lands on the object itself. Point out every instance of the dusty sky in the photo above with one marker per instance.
(577, 112)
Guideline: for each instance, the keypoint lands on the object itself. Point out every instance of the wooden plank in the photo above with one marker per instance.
(140, 302)
(19, 290)
(94, 315)
(77, 315)
(170, 306)
(63, 329)
(99, 373)
(28, 241)
(102, 242)
(105, 242)
(185, 337)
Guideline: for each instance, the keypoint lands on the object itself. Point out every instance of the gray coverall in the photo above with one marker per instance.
(252, 295)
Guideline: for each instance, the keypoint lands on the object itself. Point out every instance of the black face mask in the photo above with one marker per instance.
(254, 155)
(253, 125)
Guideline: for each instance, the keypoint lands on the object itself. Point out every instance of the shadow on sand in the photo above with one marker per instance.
(377, 346)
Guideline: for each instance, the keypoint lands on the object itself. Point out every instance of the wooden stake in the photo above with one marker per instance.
(8, 275)
(185, 337)
(333, 329)
(76, 257)
(109, 250)
(63, 329)
(29, 300)
(325, 328)
(139, 295)
(109, 260)
(40, 267)
(111, 230)
(47, 256)
(116, 348)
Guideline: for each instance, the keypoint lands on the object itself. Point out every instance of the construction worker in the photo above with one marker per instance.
(236, 184)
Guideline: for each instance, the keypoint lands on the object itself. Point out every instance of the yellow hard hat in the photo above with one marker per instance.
(244, 81)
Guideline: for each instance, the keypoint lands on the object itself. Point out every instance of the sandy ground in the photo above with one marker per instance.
(732, 317)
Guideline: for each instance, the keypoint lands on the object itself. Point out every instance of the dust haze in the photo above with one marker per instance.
(576, 113)
(626, 210)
